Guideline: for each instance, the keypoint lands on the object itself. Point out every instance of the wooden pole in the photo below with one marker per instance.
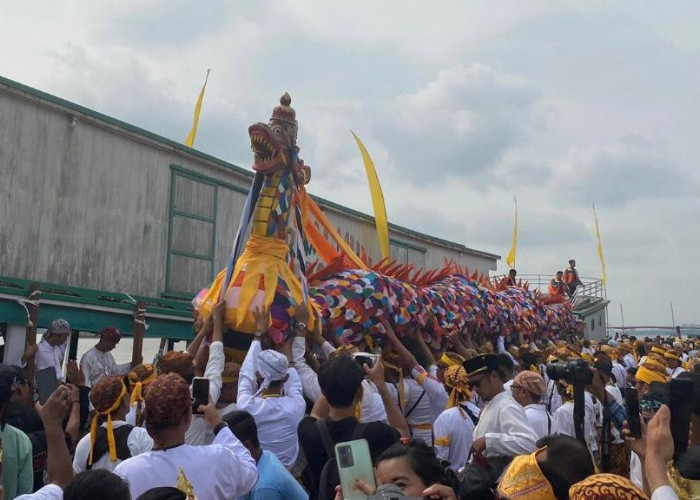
(139, 329)
(33, 319)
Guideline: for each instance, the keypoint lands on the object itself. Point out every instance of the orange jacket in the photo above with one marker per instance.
(571, 276)
(556, 287)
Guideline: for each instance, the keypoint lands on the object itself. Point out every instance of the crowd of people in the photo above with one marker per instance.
(482, 418)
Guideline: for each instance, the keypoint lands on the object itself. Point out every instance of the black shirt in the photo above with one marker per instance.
(379, 436)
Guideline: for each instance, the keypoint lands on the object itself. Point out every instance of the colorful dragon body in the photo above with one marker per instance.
(346, 294)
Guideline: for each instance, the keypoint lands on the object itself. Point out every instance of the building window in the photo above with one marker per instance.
(593, 324)
(600, 320)
(406, 253)
(191, 234)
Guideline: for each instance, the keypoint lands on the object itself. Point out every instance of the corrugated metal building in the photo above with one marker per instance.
(93, 202)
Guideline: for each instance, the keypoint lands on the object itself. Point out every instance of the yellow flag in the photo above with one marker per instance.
(189, 142)
(604, 277)
(510, 260)
(377, 200)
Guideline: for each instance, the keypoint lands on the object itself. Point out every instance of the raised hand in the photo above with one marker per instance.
(56, 407)
(74, 373)
(301, 313)
(388, 330)
(262, 319)
(218, 311)
(376, 373)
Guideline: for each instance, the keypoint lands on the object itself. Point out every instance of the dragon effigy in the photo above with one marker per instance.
(267, 268)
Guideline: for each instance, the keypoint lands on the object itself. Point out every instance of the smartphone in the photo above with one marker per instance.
(680, 402)
(354, 462)
(200, 393)
(365, 358)
(633, 421)
(46, 383)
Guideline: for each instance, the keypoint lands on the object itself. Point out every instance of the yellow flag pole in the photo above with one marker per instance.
(510, 260)
(189, 142)
(375, 189)
(604, 272)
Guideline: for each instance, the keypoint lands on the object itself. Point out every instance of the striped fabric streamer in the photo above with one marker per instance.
(239, 242)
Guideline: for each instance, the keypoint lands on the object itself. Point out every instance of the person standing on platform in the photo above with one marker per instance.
(571, 278)
(98, 362)
(510, 280)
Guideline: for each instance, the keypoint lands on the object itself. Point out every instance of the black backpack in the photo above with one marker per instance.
(121, 438)
(329, 477)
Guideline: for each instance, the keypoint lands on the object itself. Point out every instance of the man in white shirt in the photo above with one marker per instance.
(673, 359)
(271, 392)
(426, 397)
(528, 389)
(182, 364)
(219, 471)
(454, 428)
(371, 406)
(502, 431)
(627, 357)
(98, 362)
(563, 419)
(105, 447)
(52, 348)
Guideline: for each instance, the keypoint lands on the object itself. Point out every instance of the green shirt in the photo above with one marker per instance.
(17, 471)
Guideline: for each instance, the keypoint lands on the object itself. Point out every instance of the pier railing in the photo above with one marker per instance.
(592, 290)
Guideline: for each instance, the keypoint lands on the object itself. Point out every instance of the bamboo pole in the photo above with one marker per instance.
(32, 320)
(139, 328)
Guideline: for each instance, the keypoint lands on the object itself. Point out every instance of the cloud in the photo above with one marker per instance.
(631, 169)
(463, 122)
(461, 105)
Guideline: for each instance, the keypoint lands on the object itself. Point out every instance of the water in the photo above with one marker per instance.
(122, 353)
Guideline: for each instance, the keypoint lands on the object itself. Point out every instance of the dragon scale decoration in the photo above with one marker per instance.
(267, 269)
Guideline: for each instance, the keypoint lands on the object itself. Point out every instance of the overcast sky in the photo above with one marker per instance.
(461, 104)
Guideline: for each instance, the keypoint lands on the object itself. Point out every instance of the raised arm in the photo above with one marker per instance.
(406, 359)
(393, 413)
(247, 385)
(308, 377)
(60, 465)
(203, 332)
(418, 335)
(457, 345)
(215, 363)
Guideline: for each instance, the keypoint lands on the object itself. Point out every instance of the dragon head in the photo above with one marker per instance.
(274, 144)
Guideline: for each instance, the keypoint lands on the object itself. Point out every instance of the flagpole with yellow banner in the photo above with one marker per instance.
(510, 260)
(189, 142)
(604, 272)
(375, 189)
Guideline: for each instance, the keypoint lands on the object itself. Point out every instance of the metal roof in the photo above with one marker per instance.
(155, 139)
(90, 310)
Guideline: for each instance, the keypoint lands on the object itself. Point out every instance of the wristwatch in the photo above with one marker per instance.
(301, 326)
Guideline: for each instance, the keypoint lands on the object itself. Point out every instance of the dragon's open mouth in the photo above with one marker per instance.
(268, 154)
